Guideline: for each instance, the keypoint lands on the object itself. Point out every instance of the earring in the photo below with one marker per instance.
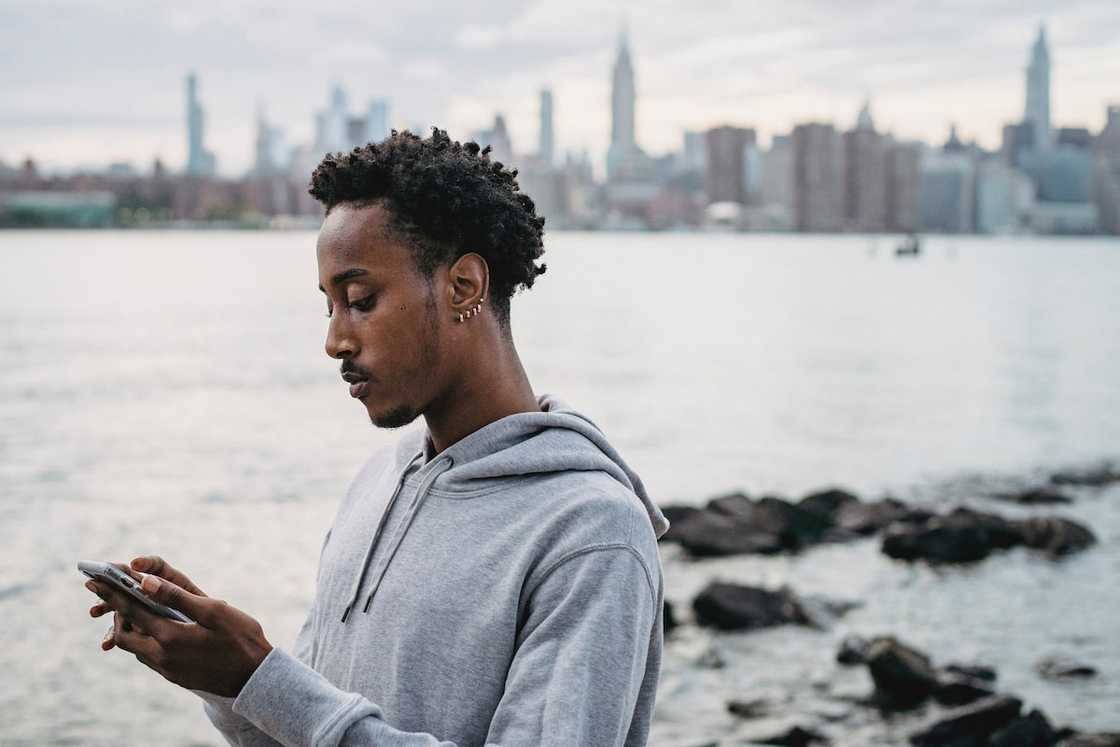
(473, 311)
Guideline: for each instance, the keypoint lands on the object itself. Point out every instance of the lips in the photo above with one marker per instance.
(358, 383)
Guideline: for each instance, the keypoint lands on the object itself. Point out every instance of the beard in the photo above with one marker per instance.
(401, 415)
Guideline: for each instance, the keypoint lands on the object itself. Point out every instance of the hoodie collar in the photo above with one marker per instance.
(556, 439)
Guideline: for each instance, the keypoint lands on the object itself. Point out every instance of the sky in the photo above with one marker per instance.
(86, 83)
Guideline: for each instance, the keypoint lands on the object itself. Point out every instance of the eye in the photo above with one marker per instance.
(363, 304)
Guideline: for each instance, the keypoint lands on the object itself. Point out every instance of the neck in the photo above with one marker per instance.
(493, 386)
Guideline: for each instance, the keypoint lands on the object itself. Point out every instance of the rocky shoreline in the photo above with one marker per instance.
(958, 704)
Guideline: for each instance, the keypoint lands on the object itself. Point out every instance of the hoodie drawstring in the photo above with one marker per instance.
(421, 493)
(376, 536)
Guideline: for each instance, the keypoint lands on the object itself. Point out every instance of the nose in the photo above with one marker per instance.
(340, 342)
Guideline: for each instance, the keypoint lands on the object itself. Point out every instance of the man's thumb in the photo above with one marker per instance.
(163, 591)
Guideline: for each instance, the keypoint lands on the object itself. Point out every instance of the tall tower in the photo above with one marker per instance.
(547, 146)
(625, 160)
(1038, 90)
(200, 162)
(622, 98)
(194, 127)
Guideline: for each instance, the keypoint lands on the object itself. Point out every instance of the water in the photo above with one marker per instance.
(168, 392)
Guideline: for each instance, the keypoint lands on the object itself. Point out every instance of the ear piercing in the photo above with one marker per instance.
(472, 311)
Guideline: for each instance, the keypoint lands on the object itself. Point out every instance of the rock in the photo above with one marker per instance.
(1056, 668)
(1032, 730)
(938, 540)
(675, 514)
(975, 671)
(868, 518)
(827, 502)
(711, 534)
(794, 737)
(903, 676)
(668, 618)
(1055, 535)
(955, 690)
(1001, 533)
(735, 607)
(1096, 739)
(738, 505)
(969, 725)
(792, 526)
(748, 709)
(852, 651)
(1036, 496)
(1096, 476)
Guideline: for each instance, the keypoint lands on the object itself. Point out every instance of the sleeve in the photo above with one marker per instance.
(574, 679)
(237, 730)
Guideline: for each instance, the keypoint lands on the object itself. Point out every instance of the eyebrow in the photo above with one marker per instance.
(345, 275)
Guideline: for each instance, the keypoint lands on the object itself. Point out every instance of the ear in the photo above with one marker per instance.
(468, 283)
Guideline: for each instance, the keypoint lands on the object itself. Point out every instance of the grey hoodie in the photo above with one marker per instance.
(505, 591)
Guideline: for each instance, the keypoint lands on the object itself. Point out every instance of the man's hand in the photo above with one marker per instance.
(217, 653)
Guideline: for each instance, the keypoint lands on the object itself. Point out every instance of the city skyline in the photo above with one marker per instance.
(686, 77)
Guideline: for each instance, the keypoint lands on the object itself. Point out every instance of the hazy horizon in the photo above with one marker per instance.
(112, 86)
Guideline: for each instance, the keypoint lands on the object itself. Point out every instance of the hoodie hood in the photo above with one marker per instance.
(557, 439)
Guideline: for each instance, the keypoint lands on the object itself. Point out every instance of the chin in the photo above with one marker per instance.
(396, 417)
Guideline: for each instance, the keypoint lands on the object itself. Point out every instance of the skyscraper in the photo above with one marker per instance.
(546, 149)
(623, 97)
(377, 121)
(625, 160)
(724, 177)
(818, 177)
(1038, 91)
(200, 162)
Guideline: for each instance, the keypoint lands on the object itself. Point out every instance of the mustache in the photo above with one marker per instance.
(348, 367)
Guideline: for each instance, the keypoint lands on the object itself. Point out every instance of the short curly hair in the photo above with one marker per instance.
(444, 199)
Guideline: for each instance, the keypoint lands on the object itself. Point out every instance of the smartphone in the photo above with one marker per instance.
(109, 574)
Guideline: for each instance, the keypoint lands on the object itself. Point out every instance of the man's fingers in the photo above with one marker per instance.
(157, 566)
(127, 606)
(122, 567)
(196, 606)
(145, 647)
(99, 609)
(107, 641)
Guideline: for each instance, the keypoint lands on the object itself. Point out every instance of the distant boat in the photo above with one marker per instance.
(911, 247)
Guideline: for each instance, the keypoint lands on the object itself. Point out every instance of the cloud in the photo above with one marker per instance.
(76, 72)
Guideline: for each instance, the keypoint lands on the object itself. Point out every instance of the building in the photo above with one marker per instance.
(546, 143)
(1107, 181)
(497, 137)
(626, 162)
(777, 184)
(725, 172)
(818, 177)
(1004, 198)
(903, 175)
(1077, 137)
(200, 162)
(1037, 110)
(1018, 139)
(866, 177)
(694, 154)
(1107, 143)
(271, 155)
(377, 121)
(945, 191)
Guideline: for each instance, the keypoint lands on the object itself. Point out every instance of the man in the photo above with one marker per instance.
(491, 580)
